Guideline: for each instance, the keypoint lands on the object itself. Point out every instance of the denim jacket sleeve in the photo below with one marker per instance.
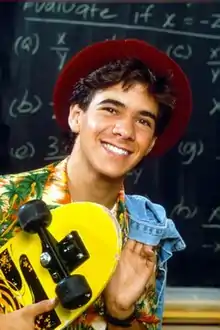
(148, 224)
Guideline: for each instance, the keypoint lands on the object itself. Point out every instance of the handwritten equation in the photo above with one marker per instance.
(29, 44)
(170, 19)
(28, 150)
(146, 13)
(26, 105)
(145, 18)
(182, 51)
(189, 212)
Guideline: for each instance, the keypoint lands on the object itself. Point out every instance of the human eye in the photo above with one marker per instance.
(145, 122)
(110, 110)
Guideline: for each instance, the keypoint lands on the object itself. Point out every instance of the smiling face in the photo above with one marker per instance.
(117, 130)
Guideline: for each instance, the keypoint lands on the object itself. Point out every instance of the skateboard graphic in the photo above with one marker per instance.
(69, 252)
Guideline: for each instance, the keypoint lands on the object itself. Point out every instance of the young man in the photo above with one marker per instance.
(122, 100)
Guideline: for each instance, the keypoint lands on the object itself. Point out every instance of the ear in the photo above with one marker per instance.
(151, 146)
(74, 118)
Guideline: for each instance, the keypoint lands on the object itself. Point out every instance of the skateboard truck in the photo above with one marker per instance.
(71, 251)
(59, 258)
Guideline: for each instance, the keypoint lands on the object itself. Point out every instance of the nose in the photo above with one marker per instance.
(125, 128)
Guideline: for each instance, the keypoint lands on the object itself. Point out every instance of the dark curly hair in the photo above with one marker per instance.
(128, 72)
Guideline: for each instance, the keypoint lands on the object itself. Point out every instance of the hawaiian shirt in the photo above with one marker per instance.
(50, 184)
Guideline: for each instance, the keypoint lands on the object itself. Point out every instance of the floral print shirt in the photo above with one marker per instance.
(50, 184)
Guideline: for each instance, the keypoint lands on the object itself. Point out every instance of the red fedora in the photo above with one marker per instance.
(99, 54)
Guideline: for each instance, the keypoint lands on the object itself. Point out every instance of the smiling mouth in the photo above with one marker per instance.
(115, 150)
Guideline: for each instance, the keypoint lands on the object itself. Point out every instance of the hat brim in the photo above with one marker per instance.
(101, 53)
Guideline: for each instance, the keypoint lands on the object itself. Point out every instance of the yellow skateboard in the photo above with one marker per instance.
(69, 252)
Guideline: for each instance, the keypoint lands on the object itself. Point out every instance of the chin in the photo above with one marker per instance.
(111, 174)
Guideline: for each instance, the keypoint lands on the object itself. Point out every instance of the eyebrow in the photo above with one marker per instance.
(117, 103)
(114, 102)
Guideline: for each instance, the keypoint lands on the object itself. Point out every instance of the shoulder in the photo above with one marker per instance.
(15, 189)
(17, 179)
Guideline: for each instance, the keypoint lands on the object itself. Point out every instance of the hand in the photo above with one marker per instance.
(135, 268)
(24, 318)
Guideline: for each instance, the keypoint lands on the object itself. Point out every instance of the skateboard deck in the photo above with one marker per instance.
(86, 244)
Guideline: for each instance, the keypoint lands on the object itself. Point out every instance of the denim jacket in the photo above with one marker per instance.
(149, 225)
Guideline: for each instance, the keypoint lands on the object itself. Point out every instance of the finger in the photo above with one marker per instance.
(40, 307)
(130, 244)
(147, 249)
(147, 252)
(138, 248)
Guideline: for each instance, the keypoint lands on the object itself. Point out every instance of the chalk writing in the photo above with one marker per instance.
(136, 174)
(180, 51)
(183, 210)
(190, 150)
(133, 27)
(51, 104)
(25, 106)
(215, 247)
(25, 151)
(169, 18)
(215, 214)
(188, 20)
(113, 37)
(54, 153)
(61, 51)
(214, 53)
(211, 226)
(214, 60)
(84, 11)
(204, 22)
(52, 7)
(93, 12)
(215, 74)
(216, 23)
(215, 108)
(145, 15)
(29, 44)
(61, 38)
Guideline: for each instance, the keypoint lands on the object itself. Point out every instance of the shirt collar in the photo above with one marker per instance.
(59, 191)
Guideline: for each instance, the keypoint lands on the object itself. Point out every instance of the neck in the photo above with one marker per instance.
(86, 185)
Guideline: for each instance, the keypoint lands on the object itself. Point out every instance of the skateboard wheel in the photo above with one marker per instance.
(33, 215)
(73, 292)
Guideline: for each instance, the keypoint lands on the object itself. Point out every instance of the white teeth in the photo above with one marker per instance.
(114, 149)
